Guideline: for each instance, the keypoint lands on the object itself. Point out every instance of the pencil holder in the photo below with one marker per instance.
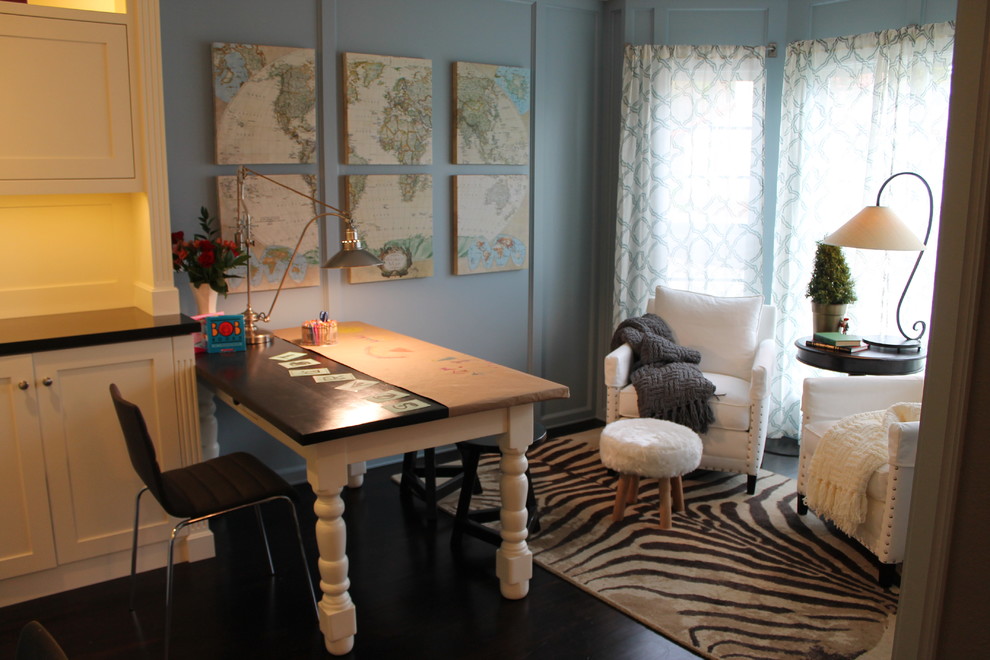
(319, 333)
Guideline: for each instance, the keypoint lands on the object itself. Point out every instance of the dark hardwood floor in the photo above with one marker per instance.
(415, 597)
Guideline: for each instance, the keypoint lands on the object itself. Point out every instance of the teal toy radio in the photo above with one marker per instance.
(224, 333)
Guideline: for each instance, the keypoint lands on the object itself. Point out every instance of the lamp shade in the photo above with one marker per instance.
(352, 258)
(352, 253)
(875, 228)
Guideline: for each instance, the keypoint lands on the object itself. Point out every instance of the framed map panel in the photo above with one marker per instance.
(393, 213)
(491, 223)
(264, 100)
(491, 107)
(277, 218)
(388, 110)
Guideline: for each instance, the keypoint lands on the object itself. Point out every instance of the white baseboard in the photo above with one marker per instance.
(194, 546)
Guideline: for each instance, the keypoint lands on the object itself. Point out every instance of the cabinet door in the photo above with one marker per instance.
(26, 543)
(91, 482)
(66, 113)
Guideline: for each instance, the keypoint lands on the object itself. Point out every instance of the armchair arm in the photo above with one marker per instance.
(837, 397)
(763, 363)
(902, 442)
(618, 365)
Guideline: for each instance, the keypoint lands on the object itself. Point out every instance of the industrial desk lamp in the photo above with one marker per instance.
(352, 253)
(879, 228)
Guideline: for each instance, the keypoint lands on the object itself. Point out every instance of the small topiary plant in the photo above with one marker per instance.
(831, 281)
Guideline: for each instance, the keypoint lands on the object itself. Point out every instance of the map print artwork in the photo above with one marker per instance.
(491, 222)
(394, 215)
(277, 218)
(264, 100)
(492, 114)
(388, 114)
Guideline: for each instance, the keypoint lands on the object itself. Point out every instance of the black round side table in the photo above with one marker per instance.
(871, 362)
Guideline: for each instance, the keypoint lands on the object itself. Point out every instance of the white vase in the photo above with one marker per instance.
(206, 299)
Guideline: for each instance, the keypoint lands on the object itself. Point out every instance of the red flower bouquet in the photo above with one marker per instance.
(207, 258)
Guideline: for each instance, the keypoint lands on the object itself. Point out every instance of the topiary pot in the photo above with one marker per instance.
(826, 317)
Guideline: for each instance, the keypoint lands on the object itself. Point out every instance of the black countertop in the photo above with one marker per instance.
(31, 334)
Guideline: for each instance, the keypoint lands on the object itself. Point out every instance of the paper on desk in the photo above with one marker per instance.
(464, 384)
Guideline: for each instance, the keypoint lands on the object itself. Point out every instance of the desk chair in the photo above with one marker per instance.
(419, 478)
(471, 522)
(199, 492)
(36, 643)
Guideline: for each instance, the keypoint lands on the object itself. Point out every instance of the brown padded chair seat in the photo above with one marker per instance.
(221, 483)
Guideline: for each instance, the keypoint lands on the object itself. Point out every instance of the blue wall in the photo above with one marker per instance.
(552, 319)
(539, 320)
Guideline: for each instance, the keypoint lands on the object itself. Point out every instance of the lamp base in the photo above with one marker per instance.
(892, 343)
(258, 337)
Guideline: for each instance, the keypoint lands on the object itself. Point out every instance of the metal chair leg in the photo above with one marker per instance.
(302, 554)
(168, 586)
(134, 543)
(264, 537)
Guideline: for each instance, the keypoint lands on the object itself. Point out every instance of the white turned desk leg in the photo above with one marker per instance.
(338, 619)
(355, 474)
(514, 561)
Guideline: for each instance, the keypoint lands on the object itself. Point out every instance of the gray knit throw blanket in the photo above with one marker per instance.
(669, 384)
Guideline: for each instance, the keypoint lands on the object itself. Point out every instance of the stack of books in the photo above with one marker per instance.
(837, 341)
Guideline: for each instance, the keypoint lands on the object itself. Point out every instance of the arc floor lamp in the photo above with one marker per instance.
(879, 228)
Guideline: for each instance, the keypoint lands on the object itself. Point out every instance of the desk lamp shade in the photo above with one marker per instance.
(879, 228)
(352, 253)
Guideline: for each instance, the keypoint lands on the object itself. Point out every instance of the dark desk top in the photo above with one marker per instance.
(871, 362)
(303, 409)
(31, 334)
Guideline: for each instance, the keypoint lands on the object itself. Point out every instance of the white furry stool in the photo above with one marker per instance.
(650, 448)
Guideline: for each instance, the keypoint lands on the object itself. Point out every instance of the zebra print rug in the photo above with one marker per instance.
(737, 577)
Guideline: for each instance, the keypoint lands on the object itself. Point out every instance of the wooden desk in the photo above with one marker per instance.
(871, 362)
(332, 429)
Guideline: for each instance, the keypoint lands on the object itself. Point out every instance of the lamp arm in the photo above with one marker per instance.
(266, 317)
(931, 214)
(241, 171)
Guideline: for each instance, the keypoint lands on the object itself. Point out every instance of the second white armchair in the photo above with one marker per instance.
(825, 402)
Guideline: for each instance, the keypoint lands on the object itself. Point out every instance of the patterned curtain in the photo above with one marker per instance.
(855, 111)
(690, 202)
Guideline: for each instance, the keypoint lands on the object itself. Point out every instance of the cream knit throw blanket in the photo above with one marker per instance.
(847, 456)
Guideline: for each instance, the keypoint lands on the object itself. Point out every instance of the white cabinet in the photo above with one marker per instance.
(67, 487)
(26, 543)
(82, 154)
(67, 121)
(91, 484)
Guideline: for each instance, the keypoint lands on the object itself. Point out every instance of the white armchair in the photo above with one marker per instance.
(735, 338)
(827, 400)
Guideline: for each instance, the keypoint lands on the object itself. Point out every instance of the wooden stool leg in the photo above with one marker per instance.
(666, 518)
(677, 494)
(632, 491)
(621, 490)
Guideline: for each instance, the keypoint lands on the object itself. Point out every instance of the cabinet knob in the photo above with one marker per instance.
(23, 385)
(47, 382)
